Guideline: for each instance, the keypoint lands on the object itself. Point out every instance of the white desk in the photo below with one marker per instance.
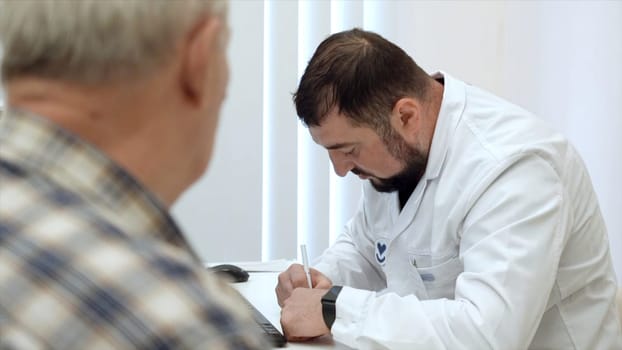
(259, 290)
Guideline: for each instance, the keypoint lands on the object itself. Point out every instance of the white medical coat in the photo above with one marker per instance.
(501, 245)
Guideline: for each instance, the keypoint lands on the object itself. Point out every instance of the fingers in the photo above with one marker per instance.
(298, 276)
(283, 288)
(295, 277)
(319, 280)
(288, 280)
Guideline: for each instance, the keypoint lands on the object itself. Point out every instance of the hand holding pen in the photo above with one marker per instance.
(299, 276)
(299, 293)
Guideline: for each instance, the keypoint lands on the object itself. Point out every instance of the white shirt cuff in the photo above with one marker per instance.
(351, 307)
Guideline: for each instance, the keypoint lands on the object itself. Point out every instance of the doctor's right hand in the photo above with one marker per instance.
(295, 277)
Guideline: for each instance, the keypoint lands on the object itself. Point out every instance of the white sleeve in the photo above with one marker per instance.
(511, 243)
(345, 262)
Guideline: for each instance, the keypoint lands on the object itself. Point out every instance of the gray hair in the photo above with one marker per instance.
(95, 41)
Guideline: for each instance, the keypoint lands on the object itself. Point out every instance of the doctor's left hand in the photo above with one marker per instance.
(301, 315)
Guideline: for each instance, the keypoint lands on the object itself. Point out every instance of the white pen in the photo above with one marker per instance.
(305, 263)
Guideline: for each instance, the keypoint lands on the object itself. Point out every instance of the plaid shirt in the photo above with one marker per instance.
(91, 260)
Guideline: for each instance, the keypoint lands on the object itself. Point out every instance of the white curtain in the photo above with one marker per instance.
(270, 188)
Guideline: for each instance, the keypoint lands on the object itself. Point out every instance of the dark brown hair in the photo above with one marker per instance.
(363, 75)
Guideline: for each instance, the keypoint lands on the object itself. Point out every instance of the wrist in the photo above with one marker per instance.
(329, 301)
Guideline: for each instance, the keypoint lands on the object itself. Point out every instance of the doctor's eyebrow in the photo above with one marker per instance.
(340, 145)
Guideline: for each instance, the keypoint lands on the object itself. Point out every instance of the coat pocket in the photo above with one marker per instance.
(438, 274)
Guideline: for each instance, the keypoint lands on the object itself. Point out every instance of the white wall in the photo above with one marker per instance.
(221, 214)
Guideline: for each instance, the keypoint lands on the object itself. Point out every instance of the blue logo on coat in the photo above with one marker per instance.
(381, 251)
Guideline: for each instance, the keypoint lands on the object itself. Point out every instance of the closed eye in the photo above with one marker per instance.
(350, 152)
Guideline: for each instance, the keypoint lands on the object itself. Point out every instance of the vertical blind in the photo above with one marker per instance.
(304, 202)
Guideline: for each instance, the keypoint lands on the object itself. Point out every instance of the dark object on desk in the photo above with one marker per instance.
(272, 334)
(231, 272)
(236, 273)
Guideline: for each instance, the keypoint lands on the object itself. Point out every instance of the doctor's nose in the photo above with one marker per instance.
(340, 163)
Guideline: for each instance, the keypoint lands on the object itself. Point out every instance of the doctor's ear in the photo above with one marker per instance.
(406, 115)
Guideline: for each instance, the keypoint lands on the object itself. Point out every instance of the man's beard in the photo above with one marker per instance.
(414, 166)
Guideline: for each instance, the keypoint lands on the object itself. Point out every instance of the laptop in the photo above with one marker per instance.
(236, 274)
(272, 334)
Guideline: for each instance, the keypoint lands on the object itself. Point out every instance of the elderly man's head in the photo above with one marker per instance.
(94, 41)
(142, 80)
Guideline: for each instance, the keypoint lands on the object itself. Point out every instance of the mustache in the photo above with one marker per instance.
(358, 171)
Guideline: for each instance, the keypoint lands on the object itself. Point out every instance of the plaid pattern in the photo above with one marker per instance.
(90, 260)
